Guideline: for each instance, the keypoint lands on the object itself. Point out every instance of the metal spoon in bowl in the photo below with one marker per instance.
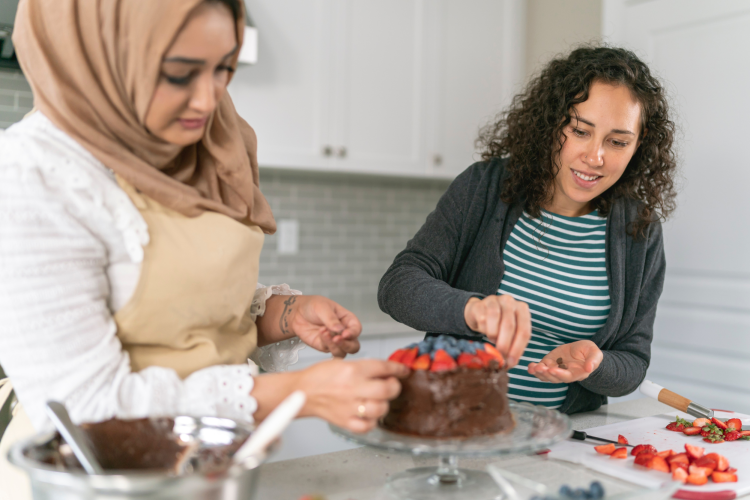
(74, 437)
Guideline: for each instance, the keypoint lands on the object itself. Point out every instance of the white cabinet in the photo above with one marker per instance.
(286, 95)
(379, 109)
(476, 68)
(395, 87)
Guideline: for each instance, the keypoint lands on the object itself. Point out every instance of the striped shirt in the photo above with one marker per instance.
(557, 266)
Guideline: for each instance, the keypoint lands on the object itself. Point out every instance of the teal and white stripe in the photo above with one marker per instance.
(557, 266)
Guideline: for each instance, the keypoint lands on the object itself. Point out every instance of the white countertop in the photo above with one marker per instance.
(360, 474)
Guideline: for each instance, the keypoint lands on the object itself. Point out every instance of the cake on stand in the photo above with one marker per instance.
(537, 428)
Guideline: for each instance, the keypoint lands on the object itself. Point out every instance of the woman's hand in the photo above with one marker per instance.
(504, 320)
(579, 360)
(351, 394)
(320, 322)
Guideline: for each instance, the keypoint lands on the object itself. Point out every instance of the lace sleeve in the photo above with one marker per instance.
(58, 339)
(279, 356)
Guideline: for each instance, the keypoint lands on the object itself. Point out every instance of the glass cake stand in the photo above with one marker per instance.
(537, 428)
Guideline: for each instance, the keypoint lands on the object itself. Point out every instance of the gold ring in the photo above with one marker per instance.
(361, 411)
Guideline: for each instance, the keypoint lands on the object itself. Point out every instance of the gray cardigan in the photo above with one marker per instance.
(457, 254)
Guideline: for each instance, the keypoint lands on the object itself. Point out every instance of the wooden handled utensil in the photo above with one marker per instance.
(674, 400)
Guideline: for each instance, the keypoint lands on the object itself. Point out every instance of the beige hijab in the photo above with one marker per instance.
(93, 66)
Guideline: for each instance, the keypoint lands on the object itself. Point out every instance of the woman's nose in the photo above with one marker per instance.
(203, 98)
(594, 156)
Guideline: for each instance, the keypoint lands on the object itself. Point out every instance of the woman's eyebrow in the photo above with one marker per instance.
(188, 60)
(615, 130)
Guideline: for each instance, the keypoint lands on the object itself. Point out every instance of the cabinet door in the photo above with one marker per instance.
(379, 103)
(476, 66)
(286, 95)
(698, 49)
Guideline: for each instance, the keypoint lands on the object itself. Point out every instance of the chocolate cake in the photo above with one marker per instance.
(456, 389)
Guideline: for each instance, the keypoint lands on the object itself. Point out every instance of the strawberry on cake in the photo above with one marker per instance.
(457, 388)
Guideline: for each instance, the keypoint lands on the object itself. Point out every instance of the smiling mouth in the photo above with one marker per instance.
(587, 178)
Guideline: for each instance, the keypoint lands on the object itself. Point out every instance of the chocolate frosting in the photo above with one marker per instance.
(461, 403)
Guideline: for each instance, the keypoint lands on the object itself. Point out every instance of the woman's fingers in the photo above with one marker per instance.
(376, 368)
(505, 321)
(349, 346)
(327, 314)
(330, 345)
(507, 325)
(350, 321)
(360, 425)
(522, 335)
(492, 317)
(380, 389)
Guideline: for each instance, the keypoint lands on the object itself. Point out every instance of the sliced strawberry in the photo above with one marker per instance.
(697, 479)
(673, 466)
(723, 477)
(605, 449)
(643, 447)
(410, 356)
(492, 350)
(731, 470)
(622, 439)
(397, 355)
(701, 422)
(680, 475)
(718, 423)
(734, 423)
(706, 463)
(675, 427)
(658, 463)
(619, 453)
(442, 362)
(665, 454)
(691, 431)
(422, 362)
(745, 433)
(680, 458)
(694, 451)
(706, 471)
(732, 436)
(485, 357)
(644, 458)
(722, 464)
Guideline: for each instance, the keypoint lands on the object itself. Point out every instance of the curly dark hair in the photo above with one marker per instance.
(530, 133)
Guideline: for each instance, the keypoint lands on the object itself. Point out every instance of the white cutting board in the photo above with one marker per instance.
(651, 430)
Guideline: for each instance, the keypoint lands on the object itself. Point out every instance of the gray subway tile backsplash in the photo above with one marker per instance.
(350, 226)
(15, 97)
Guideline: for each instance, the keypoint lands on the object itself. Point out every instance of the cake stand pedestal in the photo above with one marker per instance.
(537, 428)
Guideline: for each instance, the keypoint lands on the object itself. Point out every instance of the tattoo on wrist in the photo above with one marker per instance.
(284, 320)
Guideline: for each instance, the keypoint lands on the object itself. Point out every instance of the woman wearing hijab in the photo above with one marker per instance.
(131, 223)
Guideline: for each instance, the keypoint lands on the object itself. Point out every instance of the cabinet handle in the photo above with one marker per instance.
(342, 152)
(437, 160)
(327, 151)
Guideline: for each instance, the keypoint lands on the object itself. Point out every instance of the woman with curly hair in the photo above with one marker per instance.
(551, 247)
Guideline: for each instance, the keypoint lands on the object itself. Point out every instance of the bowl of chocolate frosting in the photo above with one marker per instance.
(149, 459)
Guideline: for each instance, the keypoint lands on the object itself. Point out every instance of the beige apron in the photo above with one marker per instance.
(190, 308)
